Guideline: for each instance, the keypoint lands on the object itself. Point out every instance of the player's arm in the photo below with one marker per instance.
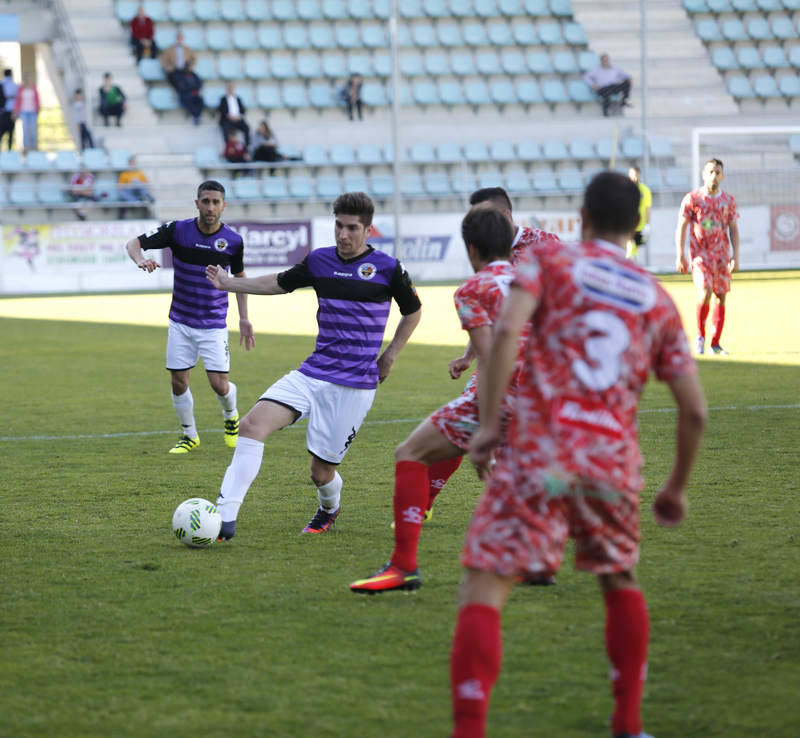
(670, 504)
(264, 285)
(458, 366)
(680, 241)
(402, 333)
(246, 333)
(733, 229)
(134, 249)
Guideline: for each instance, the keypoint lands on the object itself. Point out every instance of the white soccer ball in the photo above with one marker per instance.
(196, 522)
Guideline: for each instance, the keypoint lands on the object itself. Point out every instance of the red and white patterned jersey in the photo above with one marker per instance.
(601, 326)
(710, 217)
(527, 237)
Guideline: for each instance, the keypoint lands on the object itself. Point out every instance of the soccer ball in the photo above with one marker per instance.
(196, 522)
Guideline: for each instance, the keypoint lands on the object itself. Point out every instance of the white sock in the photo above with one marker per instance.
(184, 406)
(239, 476)
(330, 494)
(228, 402)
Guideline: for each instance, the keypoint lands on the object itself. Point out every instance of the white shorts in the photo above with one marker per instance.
(185, 345)
(334, 412)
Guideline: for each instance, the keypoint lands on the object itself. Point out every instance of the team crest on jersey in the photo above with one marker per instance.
(615, 284)
(708, 224)
(367, 271)
(220, 244)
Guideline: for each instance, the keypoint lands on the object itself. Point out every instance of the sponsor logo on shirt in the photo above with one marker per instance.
(586, 415)
(367, 271)
(221, 244)
(615, 284)
(202, 246)
(342, 274)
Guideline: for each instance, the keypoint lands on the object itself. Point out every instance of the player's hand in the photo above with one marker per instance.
(216, 276)
(670, 507)
(246, 334)
(733, 266)
(385, 363)
(149, 265)
(681, 265)
(458, 366)
(481, 450)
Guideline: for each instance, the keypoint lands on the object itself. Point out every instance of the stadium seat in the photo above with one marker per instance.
(476, 93)
(436, 8)
(373, 94)
(695, 6)
(347, 37)
(232, 11)
(150, 70)
(486, 8)
(425, 93)
(769, 6)
(359, 64)
(782, 28)
(424, 36)
(11, 161)
(37, 161)
(723, 58)
(499, 34)
(212, 94)
(381, 186)
(334, 66)
(257, 10)
(739, 87)
(274, 188)
(462, 65)
(554, 150)
(281, 66)
(230, 67)
(22, 192)
(369, 154)
(749, 58)
(308, 10)
(218, 38)
(587, 60)
(539, 62)
(525, 34)
(510, 8)
(268, 97)
(51, 192)
(790, 87)
(708, 30)
(315, 155)
(561, 8)
(570, 180)
(411, 186)
(528, 92)
(206, 67)
(411, 9)
(764, 86)
(564, 62)
(517, 182)
(581, 149)
(487, 64)
(606, 148)
(283, 10)
(308, 66)
(758, 30)
(244, 38)
(537, 8)
(105, 188)
(373, 37)
(269, 37)
(94, 159)
(301, 187)
(450, 93)
(475, 34)
(359, 9)
(65, 161)
(462, 182)
(125, 10)
(513, 62)
(355, 183)
(502, 151)
(461, 8)
(632, 147)
(544, 181)
(450, 35)
(774, 58)
(660, 147)
(255, 67)
(411, 64)
(118, 159)
(437, 64)
(554, 92)
(180, 11)
(733, 29)
(206, 10)
(382, 64)
(579, 92)
(328, 187)
(295, 96)
(382, 9)
(156, 9)
(321, 96)
(166, 36)
(476, 152)
(502, 92)
(528, 151)
(574, 34)
(794, 56)
(422, 152)
(207, 157)
(246, 188)
(437, 184)
(744, 6)
(162, 99)
(295, 37)
(550, 34)
(342, 155)
(195, 38)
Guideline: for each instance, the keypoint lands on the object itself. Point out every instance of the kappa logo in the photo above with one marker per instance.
(221, 244)
(367, 271)
(413, 515)
(472, 689)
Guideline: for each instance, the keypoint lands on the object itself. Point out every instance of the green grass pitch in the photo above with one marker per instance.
(110, 628)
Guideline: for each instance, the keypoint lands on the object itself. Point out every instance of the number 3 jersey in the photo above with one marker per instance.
(602, 324)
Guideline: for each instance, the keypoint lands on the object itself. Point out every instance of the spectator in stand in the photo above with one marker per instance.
(142, 31)
(608, 80)
(265, 145)
(351, 95)
(188, 86)
(235, 152)
(26, 107)
(175, 58)
(231, 114)
(112, 100)
(133, 186)
(81, 189)
(79, 117)
(9, 88)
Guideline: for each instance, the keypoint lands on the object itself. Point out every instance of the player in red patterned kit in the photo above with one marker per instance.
(712, 215)
(571, 465)
(445, 434)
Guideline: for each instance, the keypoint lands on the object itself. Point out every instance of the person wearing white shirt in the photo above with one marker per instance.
(608, 80)
(231, 114)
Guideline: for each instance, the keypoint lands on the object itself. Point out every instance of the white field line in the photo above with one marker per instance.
(393, 421)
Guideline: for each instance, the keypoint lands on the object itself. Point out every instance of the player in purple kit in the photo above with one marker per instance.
(197, 315)
(335, 386)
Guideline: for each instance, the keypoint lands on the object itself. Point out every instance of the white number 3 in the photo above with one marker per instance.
(609, 337)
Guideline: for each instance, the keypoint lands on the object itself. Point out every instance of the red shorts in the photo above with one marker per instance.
(715, 276)
(520, 528)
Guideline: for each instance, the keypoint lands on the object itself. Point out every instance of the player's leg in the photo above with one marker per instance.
(722, 285)
(702, 282)
(438, 473)
(182, 355)
(215, 352)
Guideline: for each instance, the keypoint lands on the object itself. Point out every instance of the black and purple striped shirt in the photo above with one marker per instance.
(354, 298)
(195, 301)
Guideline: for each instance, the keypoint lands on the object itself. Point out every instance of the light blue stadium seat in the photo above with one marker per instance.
(570, 180)
(268, 96)
(769, 6)
(632, 147)
(301, 187)
(425, 93)
(255, 67)
(315, 155)
(382, 64)
(554, 92)
(437, 184)
(437, 64)
(539, 62)
(218, 38)
(708, 30)
(212, 94)
(774, 57)
(510, 8)
(156, 9)
(232, 11)
(794, 56)
(537, 8)
(580, 149)
(411, 186)
(194, 37)
(764, 86)
(206, 10)
(410, 9)
(422, 152)
(282, 66)
(564, 62)
(450, 35)
(486, 8)
(461, 8)
(151, 71)
(424, 36)
(180, 11)
(550, 34)
(528, 92)
(207, 157)
(355, 183)
(499, 34)
(490, 178)
(65, 161)
(660, 147)
(574, 34)
(502, 92)
(105, 188)
(247, 94)
(257, 10)
(513, 62)
(334, 66)
(462, 182)
(783, 29)
(206, 67)
(321, 95)
(94, 159)
(606, 148)
(295, 37)
(244, 38)
(462, 64)
(328, 187)
(789, 86)
(722, 57)
(525, 34)
(118, 159)
(166, 36)
(739, 87)
(554, 149)
(561, 8)
(308, 66)
(544, 181)
(37, 161)
(162, 99)
(51, 192)
(450, 93)
(295, 97)
(719, 6)
(733, 29)
(22, 192)
(230, 67)
(792, 6)
(269, 37)
(369, 154)
(475, 34)
(518, 182)
(308, 10)
(436, 8)
(382, 9)
(373, 94)
(283, 10)
(749, 58)
(476, 93)
(487, 64)
(342, 155)
(695, 6)
(246, 188)
(321, 37)
(381, 185)
(587, 60)
(373, 36)
(411, 64)
(347, 37)
(125, 10)
(579, 92)
(11, 161)
(758, 30)
(476, 152)
(449, 152)
(502, 151)
(274, 188)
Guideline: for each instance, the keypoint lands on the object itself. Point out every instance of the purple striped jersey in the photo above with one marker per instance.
(354, 299)
(195, 301)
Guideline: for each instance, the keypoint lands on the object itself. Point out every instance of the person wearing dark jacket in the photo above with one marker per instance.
(231, 114)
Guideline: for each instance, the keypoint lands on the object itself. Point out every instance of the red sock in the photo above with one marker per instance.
(410, 497)
(718, 320)
(702, 316)
(439, 473)
(474, 668)
(627, 636)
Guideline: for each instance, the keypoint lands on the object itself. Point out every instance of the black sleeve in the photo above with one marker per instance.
(297, 276)
(159, 238)
(237, 261)
(121, 94)
(403, 291)
(242, 109)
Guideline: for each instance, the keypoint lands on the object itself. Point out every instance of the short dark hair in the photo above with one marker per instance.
(487, 229)
(8, 73)
(611, 203)
(496, 195)
(213, 185)
(716, 162)
(355, 203)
